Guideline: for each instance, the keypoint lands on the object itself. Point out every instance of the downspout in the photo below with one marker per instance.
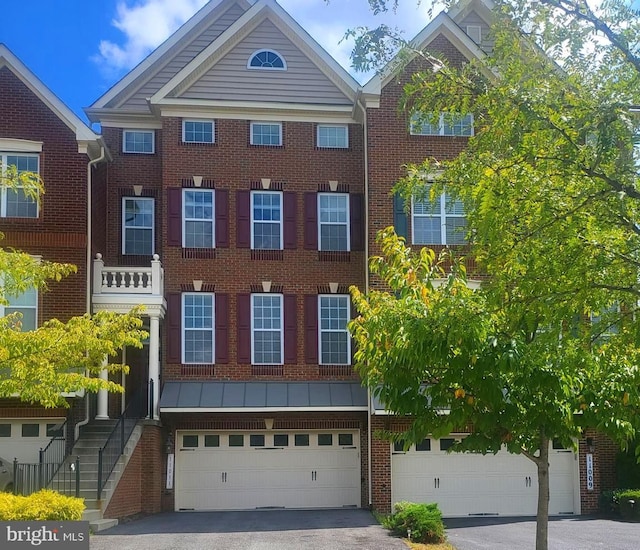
(366, 275)
(90, 166)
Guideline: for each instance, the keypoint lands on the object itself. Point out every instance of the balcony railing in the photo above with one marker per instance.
(128, 280)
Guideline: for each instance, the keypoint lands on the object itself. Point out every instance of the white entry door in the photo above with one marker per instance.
(279, 469)
(473, 484)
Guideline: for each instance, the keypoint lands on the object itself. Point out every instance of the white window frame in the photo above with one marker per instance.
(346, 136)
(211, 330)
(186, 220)
(138, 131)
(124, 226)
(200, 121)
(474, 32)
(253, 328)
(4, 308)
(345, 330)
(4, 189)
(281, 222)
(321, 223)
(266, 123)
(263, 68)
(416, 127)
(443, 215)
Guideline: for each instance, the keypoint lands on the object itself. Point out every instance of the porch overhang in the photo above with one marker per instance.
(262, 397)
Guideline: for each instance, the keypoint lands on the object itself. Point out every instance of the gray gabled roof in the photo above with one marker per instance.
(218, 396)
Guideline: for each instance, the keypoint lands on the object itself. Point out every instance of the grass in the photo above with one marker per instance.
(420, 546)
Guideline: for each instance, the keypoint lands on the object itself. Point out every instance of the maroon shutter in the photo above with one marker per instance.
(243, 315)
(174, 323)
(174, 216)
(222, 218)
(222, 329)
(311, 221)
(243, 219)
(356, 205)
(311, 329)
(290, 329)
(289, 217)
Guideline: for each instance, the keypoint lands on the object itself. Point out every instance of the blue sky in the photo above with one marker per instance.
(80, 48)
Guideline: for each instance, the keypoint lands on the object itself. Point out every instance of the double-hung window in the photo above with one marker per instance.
(333, 221)
(198, 131)
(444, 124)
(138, 141)
(26, 304)
(334, 136)
(267, 324)
(606, 322)
(137, 225)
(198, 229)
(15, 201)
(266, 133)
(442, 221)
(198, 328)
(334, 337)
(266, 220)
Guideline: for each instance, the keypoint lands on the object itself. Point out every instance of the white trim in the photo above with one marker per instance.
(259, 410)
(34, 308)
(346, 135)
(125, 131)
(262, 68)
(4, 189)
(477, 30)
(213, 216)
(441, 125)
(443, 215)
(265, 123)
(183, 328)
(202, 121)
(320, 331)
(281, 298)
(348, 222)
(153, 222)
(131, 122)
(10, 145)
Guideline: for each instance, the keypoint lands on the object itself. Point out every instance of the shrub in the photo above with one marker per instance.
(44, 505)
(630, 504)
(423, 520)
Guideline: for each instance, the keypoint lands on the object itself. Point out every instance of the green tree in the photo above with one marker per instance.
(549, 345)
(40, 365)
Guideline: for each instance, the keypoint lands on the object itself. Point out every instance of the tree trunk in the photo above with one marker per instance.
(542, 519)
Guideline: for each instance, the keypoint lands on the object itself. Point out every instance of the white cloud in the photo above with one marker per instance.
(145, 26)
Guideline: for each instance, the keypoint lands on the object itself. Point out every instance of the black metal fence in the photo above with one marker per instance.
(30, 478)
(113, 449)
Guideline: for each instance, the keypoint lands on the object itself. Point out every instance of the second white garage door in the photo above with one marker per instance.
(473, 484)
(279, 469)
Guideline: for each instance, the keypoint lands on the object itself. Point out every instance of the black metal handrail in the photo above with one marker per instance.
(29, 478)
(113, 448)
(55, 453)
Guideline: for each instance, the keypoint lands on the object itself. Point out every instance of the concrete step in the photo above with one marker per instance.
(102, 524)
(91, 514)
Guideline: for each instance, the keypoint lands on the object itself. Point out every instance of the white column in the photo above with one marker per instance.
(154, 361)
(103, 395)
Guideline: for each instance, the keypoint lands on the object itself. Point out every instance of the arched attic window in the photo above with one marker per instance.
(267, 59)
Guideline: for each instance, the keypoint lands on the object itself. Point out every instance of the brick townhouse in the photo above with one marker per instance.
(247, 176)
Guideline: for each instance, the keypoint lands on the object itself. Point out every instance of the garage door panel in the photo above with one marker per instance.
(468, 483)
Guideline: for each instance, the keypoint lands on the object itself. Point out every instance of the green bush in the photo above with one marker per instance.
(609, 502)
(44, 505)
(423, 520)
(630, 504)
(627, 467)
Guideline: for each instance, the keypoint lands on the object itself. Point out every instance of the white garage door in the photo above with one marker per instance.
(23, 438)
(279, 469)
(473, 484)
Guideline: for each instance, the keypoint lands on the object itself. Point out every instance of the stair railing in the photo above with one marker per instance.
(113, 449)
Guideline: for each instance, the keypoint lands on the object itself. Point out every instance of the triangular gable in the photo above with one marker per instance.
(172, 54)
(262, 10)
(84, 135)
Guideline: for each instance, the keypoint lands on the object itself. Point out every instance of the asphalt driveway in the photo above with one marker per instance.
(253, 530)
(576, 533)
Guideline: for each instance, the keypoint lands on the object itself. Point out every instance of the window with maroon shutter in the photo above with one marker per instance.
(222, 328)
(289, 218)
(198, 328)
(311, 329)
(174, 216)
(290, 329)
(222, 218)
(173, 324)
(243, 219)
(335, 345)
(311, 221)
(357, 221)
(243, 319)
(333, 222)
